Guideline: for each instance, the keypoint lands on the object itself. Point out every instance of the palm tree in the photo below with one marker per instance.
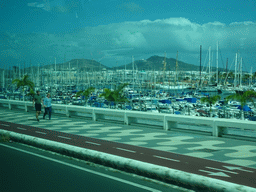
(211, 100)
(24, 82)
(85, 93)
(243, 98)
(254, 76)
(116, 95)
(31, 93)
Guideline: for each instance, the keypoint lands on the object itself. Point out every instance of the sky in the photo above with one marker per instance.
(112, 31)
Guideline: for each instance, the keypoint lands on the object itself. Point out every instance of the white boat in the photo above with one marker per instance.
(208, 89)
(172, 87)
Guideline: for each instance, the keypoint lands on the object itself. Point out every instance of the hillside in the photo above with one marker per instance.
(156, 63)
(81, 64)
(152, 63)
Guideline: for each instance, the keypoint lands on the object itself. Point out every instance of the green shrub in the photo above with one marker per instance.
(5, 138)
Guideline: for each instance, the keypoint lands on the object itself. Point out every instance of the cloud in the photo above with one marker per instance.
(60, 6)
(45, 5)
(131, 7)
(144, 38)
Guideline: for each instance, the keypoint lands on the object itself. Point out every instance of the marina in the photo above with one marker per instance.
(142, 93)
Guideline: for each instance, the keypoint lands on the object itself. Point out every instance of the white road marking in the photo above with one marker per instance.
(21, 128)
(221, 170)
(64, 137)
(87, 170)
(5, 125)
(41, 132)
(92, 143)
(125, 150)
(238, 168)
(215, 173)
(166, 158)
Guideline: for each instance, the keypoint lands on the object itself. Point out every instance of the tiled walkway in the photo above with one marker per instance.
(237, 152)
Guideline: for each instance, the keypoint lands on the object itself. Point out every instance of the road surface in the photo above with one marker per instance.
(25, 168)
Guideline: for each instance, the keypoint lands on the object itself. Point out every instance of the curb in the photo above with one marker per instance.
(172, 176)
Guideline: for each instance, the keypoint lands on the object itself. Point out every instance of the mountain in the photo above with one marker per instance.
(81, 64)
(157, 63)
(152, 63)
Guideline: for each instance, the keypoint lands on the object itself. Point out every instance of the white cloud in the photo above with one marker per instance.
(145, 38)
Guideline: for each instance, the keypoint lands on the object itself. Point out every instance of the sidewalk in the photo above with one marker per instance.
(225, 150)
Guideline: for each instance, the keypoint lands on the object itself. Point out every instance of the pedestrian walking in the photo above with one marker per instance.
(37, 103)
(48, 106)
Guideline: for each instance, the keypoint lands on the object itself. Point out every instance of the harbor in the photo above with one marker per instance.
(148, 91)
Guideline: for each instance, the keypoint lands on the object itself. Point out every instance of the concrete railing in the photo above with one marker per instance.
(170, 121)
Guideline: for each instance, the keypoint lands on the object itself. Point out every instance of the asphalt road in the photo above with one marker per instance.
(204, 167)
(25, 168)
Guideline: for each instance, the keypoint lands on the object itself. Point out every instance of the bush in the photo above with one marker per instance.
(4, 138)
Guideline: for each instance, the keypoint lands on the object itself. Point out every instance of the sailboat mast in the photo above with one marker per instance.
(133, 71)
(235, 83)
(176, 76)
(38, 76)
(217, 64)
(3, 78)
(55, 72)
(69, 74)
(241, 72)
(19, 70)
(209, 64)
(251, 77)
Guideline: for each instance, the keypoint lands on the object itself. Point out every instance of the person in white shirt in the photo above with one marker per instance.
(48, 106)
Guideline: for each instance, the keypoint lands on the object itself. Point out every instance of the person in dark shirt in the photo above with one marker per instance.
(37, 102)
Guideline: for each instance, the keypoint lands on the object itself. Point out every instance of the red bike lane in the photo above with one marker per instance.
(214, 169)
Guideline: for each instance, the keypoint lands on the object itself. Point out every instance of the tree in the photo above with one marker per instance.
(246, 78)
(31, 93)
(243, 98)
(254, 75)
(211, 100)
(85, 93)
(24, 82)
(116, 95)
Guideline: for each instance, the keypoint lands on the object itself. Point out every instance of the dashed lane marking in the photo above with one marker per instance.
(5, 125)
(166, 158)
(64, 137)
(125, 150)
(21, 128)
(41, 132)
(92, 143)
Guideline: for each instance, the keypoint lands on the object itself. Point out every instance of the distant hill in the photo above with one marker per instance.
(81, 64)
(152, 63)
(156, 63)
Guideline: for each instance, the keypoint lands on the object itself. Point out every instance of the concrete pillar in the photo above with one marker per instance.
(26, 107)
(129, 120)
(10, 106)
(67, 112)
(218, 131)
(96, 116)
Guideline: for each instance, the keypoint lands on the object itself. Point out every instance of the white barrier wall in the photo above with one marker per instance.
(219, 126)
